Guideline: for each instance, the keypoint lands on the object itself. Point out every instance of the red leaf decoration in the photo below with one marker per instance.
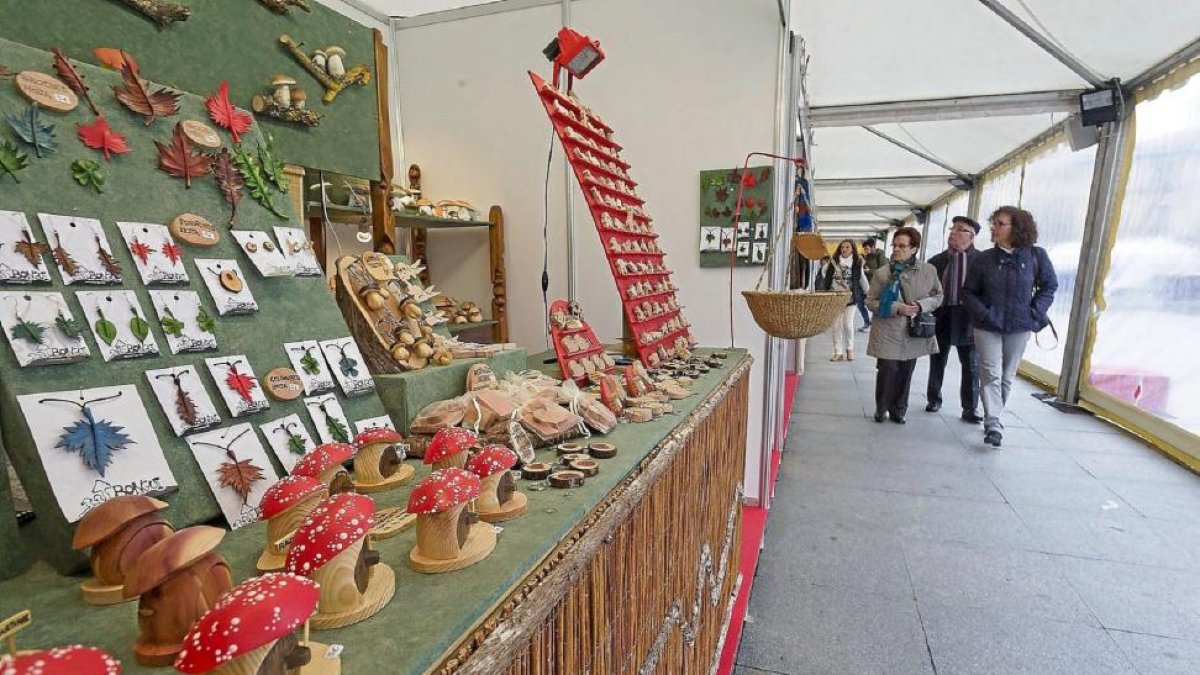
(173, 252)
(179, 160)
(74, 79)
(137, 95)
(240, 476)
(227, 116)
(241, 383)
(99, 136)
(113, 58)
(141, 251)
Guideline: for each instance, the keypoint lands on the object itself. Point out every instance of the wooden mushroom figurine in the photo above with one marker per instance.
(73, 660)
(333, 62)
(332, 549)
(282, 85)
(284, 506)
(179, 579)
(449, 448)
(253, 631)
(447, 536)
(298, 97)
(378, 464)
(498, 497)
(118, 531)
(324, 463)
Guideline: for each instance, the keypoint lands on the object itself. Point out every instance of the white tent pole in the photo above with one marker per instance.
(941, 109)
(569, 193)
(1064, 57)
(893, 195)
(875, 183)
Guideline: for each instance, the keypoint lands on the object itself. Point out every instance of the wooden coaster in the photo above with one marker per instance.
(402, 476)
(201, 134)
(566, 479)
(270, 561)
(569, 448)
(574, 456)
(283, 384)
(194, 230)
(588, 467)
(380, 590)
(536, 471)
(516, 507)
(318, 664)
(97, 594)
(391, 522)
(602, 450)
(479, 544)
(45, 90)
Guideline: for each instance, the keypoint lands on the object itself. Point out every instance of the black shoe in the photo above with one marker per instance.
(992, 438)
(898, 419)
(933, 407)
(972, 417)
(878, 417)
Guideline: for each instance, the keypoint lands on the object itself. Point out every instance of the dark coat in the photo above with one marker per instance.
(954, 325)
(1001, 293)
(875, 260)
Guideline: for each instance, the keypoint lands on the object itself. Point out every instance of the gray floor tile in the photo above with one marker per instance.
(1138, 598)
(850, 509)
(824, 423)
(1075, 492)
(829, 556)
(850, 407)
(1120, 535)
(970, 641)
(739, 669)
(1159, 500)
(1149, 465)
(890, 474)
(1159, 655)
(1105, 439)
(980, 524)
(1012, 461)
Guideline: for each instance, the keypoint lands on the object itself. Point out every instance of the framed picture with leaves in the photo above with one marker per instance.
(119, 324)
(183, 399)
(289, 439)
(237, 469)
(308, 361)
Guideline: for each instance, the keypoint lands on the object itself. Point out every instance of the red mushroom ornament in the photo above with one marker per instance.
(253, 630)
(73, 660)
(378, 464)
(284, 506)
(448, 536)
(324, 463)
(118, 531)
(449, 448)
(498, 498)
(332, 549)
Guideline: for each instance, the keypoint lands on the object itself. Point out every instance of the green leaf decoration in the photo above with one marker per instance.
(72, 328)
(349, 366)
(336, 429)
(94, 440)
(29, 128)
(205, 320)
(271, 165)
(309, 363)
(171, 326)
(139, 327)
(296, 444)
(29, 330)
(12, 160)
(105, 330)
(88, 174)
(251, 171)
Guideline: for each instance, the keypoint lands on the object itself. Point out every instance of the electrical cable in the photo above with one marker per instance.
(546, 242)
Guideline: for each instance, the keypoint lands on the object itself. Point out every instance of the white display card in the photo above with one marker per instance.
(84, 243)
(236, 467)
(159, 260)
(298, 251)
(109, 452)
(240, 390)
(309, 363)
(40, 313)
(183, 307)
(329, 419)
(348, 367)
(183, 399)
(239, 301)
(381, 422)
(263, 253)
(289, 439)
(119, 337)
(17, 244)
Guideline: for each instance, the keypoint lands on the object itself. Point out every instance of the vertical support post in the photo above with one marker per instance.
(499, 277)
(383, 221)
(1107, 177)
(569, 193)
(975, 199)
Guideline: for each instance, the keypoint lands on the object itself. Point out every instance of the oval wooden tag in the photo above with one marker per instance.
(194, 230)
(378, 265)
(201, 134)
(46, 91)
(283, 384)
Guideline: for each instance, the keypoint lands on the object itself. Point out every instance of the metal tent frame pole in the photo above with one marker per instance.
(1050, 47)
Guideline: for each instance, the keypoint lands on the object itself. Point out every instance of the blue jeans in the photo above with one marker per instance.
(862, 309)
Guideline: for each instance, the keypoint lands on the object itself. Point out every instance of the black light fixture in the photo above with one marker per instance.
(921, 214)
(963, 182)
(1103, 104)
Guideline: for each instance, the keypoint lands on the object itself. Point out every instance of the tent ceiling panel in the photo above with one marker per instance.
(853, 198)
(849, 152)
(399, 8)
(921, 195)
(971, 144)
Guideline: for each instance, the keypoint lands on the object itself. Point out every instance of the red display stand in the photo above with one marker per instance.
(626, 231)
(579, 352)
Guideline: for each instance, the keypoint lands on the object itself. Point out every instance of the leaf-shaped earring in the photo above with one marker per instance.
(32, 250)
(185, 407)
(173, 252)
(238, 475)
(170, 325)
(137, 325)
(95, 440)
(105, 329)
(110, 263)
(71, 328)
(140, 251)
(295, 442)
(64, 259)
(205, 321)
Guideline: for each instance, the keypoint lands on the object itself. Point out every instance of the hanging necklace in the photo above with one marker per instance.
(295, 442)
(185, 407)
(347, 365)
(238, 475)
(337, 430)
(95, 440)
(239, 382)
(308, 362)
(228, 279)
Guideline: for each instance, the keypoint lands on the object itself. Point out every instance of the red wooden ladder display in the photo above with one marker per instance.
(579, 352)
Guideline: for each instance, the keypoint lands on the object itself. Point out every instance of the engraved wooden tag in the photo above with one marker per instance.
(390, 522)
(15, 624)
(194, 230)
(46, 91)
(201, 134)
(283, 384)
(378, 266)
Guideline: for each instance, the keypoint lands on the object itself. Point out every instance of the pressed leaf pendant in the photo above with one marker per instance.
(105, 329)
(139, 327)
(71, 328)
(205, 321)
(30, 331)
(94, 440)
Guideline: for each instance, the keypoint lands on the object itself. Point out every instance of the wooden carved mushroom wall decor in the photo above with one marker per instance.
(448, 536)
(284, 506)
(498, 499)
(332, 549)
(179, 579)
(449, 448)
(73, 660)
(118, 531)
(378, 464)
(324, 463)
(253, 631)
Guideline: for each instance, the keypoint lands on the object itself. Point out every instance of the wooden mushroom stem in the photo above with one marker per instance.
(496, 491)
(279, 657)
(113, 558)
(337, 479)
(289, 520)
(442, 535)
(376, 462)
(167, 612)
(344, 579)
(457, 461)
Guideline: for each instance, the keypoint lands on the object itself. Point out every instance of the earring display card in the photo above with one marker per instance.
(237, 469)
(41, 329)
(381, 422)
(118, 324)
(346, 363)
(227, 286)
(329, 419)
(80, 250)
(239, 387)
(95, 444)
(21, 259)
(299, 251)
(263, 252)
(183, 399)
(159, 260)
(309, 363)
(184, 320)
(289, 439)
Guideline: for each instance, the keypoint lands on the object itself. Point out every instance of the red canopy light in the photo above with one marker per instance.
(578, 53)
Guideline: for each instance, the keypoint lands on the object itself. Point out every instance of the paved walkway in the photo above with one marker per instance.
(917, 549)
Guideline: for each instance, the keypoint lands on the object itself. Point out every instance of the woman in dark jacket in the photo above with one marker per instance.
(845, 272)
(1009, 289)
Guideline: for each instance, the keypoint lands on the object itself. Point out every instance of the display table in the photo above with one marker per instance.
(632, 572)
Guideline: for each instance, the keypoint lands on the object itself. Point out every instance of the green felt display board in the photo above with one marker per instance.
(404, 394)
(234, 40)
(750, 237)
(291, 308)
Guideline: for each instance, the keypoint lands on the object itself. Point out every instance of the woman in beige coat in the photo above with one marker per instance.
(896, 351)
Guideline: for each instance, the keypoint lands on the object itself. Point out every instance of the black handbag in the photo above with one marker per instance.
(922, 324)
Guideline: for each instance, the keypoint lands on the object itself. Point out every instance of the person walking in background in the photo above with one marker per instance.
(873, 259)
(898, 291)
(954, 327)
(844, 273)
(1009, 289)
